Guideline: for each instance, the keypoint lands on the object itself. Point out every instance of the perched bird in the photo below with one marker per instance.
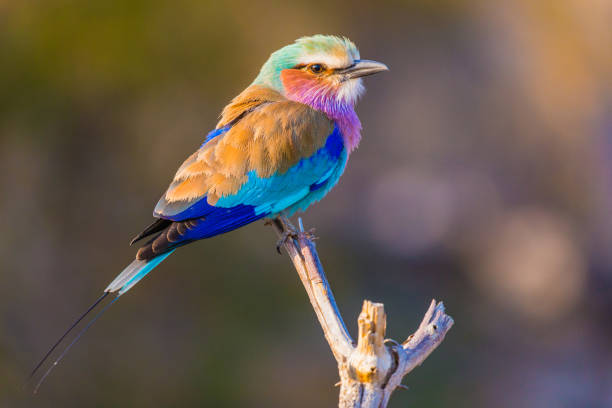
(279, 146)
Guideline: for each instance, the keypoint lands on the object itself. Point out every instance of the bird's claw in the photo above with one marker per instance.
(286, 236)
(289, 231)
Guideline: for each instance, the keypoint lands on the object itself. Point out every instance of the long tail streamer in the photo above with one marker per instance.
(42, 361)
(129, 277)
(76, 339)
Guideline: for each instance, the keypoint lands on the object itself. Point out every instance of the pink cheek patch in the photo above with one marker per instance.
(301, 86)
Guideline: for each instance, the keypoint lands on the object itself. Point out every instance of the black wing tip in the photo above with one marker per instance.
(156, 226)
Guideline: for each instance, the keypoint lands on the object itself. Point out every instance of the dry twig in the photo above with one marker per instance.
(371, 370)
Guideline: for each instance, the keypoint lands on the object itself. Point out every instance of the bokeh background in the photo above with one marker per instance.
(483, 179)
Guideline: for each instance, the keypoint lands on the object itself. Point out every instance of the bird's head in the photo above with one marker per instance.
(322, 71)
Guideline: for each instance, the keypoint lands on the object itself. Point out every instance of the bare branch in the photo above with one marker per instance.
(306, 261)
(371, 370)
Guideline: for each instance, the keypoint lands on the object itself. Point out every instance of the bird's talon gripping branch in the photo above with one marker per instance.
(287, 231)
(285, 237)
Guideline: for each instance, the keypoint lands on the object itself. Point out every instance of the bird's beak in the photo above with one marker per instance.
(362, 68)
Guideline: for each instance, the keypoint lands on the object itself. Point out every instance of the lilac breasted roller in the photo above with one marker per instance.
(279, 146)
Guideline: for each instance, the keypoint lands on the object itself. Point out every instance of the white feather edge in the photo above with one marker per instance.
(133, 273)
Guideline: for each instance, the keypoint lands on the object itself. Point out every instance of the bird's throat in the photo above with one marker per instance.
(324, 97)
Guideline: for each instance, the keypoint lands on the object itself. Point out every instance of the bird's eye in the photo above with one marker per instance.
(316, 68)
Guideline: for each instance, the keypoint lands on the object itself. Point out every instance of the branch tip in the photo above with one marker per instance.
(375, 367)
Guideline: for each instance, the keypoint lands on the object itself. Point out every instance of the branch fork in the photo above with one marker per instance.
(373, 368)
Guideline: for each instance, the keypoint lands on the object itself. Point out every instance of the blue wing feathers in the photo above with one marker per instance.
(304, 183)
(223, 220)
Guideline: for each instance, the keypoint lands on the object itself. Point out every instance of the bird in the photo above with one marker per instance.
(279, 146)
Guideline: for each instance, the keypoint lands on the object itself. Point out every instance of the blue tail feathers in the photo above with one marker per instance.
(133, 273)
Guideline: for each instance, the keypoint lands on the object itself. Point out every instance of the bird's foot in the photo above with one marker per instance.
(288, 231)
(286, 236)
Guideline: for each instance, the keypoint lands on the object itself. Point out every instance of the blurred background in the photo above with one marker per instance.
(483, 179)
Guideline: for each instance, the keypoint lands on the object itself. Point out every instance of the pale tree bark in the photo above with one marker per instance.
(371, 370)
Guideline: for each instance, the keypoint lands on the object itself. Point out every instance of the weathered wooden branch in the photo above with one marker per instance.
(371, 370)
